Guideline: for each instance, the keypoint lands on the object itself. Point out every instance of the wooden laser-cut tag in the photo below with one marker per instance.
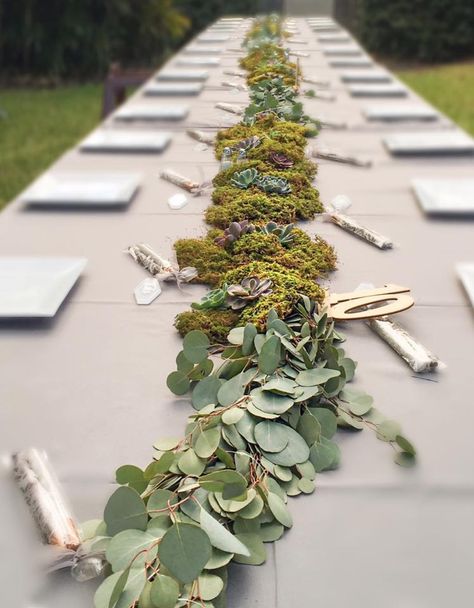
(364, 304)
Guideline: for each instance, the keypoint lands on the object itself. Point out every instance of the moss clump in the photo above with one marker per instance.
(257, 208)
(216, 324)
(287, 72)
(209, 259)
(287, 287)
(254, 205)
(311, 259)
(267, 126)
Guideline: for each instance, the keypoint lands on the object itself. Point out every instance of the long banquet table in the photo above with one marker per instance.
(89, 385)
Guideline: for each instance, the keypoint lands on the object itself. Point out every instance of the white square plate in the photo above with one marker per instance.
(151, 112)
(342, 50)
(193, 61)
(445, 196)
(92, 188)
(325, 27)
(111, 140)
(206, 38)
(36, 286)
(334, 38)
(390, 89)
(177, 89)
(399, 112)
(195, 49)
(182, 75)
(351, 62)
(429, 143)
(366, 76)
(465, 272)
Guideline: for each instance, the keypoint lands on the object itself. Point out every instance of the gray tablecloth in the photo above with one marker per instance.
(89, 385)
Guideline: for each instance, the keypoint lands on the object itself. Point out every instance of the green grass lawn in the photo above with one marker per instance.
(449, 87)
(39, 126)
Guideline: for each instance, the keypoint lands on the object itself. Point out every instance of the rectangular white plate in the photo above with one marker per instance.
(445, 196)
(366, 76)
(334, 38)
(195, 49)
(201, 61)
(151, 112)
(111, 140)
(342, 50)
(206, 38)
(36, 286)
(91, 188)
(325, 27)
(183, 75)
(178, 89)
(399, 112)
(465, 271)
(429, 143)
(351, 62)
(390, 89)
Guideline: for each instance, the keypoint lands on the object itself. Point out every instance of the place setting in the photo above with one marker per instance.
(377, 89)
(434, 143)
(35, 287)
(400, 112)
(173, 89)
(82, 190)
(445, 197)
(105, 140)
(151, 113)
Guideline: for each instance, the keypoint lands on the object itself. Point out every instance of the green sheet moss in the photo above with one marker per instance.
(310, 258)
(257, 208)
(216, 324)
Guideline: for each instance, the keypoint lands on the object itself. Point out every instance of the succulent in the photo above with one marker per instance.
(233, 233)
(280, 160)
(216, 298)
(247, 291)
(244, 179)
(248, 143)
(284, 233)
(274, 185)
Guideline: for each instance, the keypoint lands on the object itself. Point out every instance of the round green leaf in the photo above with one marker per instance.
(228, 482)
(125, 510)
(207, 442)
(279, 510)
(195, 345)
(205, 392)
(160, 500)
(165, 444)
(405, 445)
(130, 544)
(233, 415)
(270, 354)
(184, 550)
(164, 591)
(220, 537)
(306, 485)
(253, 509)
(250, 332)
(388, 430)
(219, 559)
(295, 452)
(324, 455)
(131, 475)
(271, 532)
(326, 419)
(271, 436)
(255, 547)
(271, 403)
(236, 336)
(190, 463)
(178, 383)
(210, 586)
(284, 386)
(318, 375)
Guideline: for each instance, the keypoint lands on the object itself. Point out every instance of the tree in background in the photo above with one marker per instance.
(421, 30)
(77, 38)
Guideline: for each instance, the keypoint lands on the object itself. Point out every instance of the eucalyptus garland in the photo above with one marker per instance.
(268, 386)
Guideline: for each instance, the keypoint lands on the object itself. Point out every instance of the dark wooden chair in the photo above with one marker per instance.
(116, 84)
